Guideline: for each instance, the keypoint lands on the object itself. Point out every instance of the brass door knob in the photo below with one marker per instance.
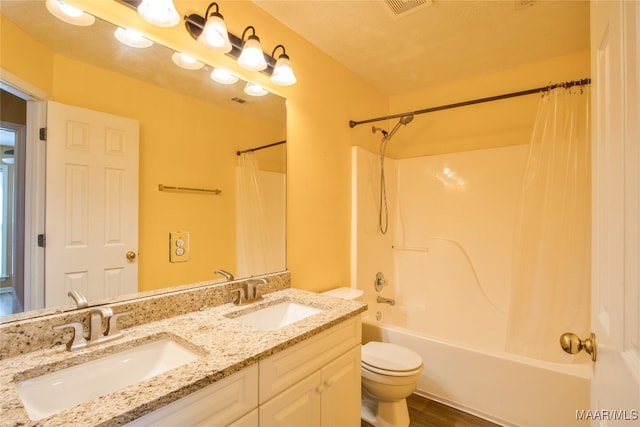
(572, 344)
(131, 255)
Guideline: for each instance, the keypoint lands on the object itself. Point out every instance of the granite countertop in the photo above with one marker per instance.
(226, 346)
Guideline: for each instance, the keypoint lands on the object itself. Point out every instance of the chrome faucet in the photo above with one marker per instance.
(250, 291)
(224, 273)
(384, 300)
(96, 332)
(81, 300)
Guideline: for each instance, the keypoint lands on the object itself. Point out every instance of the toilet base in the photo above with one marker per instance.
(384, 414)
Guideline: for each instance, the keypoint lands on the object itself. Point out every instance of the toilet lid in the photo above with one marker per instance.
(390, 357)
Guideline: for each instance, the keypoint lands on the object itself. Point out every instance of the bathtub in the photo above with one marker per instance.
(504, 388)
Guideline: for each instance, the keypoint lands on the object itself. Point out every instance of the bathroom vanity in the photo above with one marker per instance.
(304, 371)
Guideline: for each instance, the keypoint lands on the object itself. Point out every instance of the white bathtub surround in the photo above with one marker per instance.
(448, 261)
(551, 274)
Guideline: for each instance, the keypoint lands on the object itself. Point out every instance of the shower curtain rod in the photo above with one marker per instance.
(565, 85)
(261, 147)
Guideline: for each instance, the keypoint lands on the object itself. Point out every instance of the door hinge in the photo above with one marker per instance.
(42, 240)
(43, 134)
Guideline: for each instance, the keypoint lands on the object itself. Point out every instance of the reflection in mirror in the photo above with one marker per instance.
(190, 132)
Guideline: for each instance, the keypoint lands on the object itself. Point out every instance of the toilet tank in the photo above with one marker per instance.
(344, 293)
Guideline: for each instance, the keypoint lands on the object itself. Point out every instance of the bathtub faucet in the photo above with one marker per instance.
(384, 300)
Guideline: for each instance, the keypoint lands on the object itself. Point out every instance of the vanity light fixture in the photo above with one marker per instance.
(252, 58)
(69, 14)
(214, 35)
(185, 61)
(282, 71)
(162, 13)
(132, 38)
(223, 76)
(253, 89)
(248, 54)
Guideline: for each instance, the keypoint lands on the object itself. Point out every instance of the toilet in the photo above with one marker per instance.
(390, 374)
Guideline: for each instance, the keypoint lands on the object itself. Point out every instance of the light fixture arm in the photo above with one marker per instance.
(284, 51)
(207, 14)
(244, 33)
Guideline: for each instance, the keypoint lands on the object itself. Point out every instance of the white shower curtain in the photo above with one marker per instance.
(252, 239)
(550, 290)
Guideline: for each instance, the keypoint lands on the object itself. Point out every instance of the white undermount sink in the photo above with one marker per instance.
(54, 392)
(277, 316)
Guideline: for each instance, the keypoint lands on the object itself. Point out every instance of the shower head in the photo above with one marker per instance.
(405, 120)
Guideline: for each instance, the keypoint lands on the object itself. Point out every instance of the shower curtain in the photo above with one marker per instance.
(252, 227)
(550, 291)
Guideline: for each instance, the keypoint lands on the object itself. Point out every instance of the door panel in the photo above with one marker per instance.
(91, 204)
(615, 389)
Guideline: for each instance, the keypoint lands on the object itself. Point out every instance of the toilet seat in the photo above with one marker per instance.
(390, 359)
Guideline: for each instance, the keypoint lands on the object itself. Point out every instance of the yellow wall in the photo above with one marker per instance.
(493, 124)
(30, 59)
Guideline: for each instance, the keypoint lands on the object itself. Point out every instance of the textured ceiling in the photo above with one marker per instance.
(444, 40)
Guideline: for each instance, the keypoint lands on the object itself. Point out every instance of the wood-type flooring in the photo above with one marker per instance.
(428, 413)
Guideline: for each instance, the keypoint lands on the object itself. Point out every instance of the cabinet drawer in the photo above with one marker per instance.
(218, 404)
(284, 369)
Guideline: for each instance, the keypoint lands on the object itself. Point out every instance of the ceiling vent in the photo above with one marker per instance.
(402, 7)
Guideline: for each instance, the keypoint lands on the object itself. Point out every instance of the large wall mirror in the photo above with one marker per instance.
(190, 132)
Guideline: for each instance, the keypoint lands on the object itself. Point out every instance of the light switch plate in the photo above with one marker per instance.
(179, 246)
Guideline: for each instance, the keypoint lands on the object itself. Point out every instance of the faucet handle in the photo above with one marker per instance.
(96, 316)
(78, 341)
(112, 327)
(240, 297)
(103, 312)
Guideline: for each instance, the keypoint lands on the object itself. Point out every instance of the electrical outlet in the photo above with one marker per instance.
(179, 246)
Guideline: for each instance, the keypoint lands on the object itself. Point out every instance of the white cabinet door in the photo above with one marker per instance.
(249, 420)
(219, 404)
(285, 368)
(298, 406)
(340, 398)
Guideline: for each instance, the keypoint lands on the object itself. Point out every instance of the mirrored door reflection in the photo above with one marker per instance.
(12, 142)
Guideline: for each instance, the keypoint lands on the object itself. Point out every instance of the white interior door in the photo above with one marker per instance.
(91, 204)
(615, 388)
